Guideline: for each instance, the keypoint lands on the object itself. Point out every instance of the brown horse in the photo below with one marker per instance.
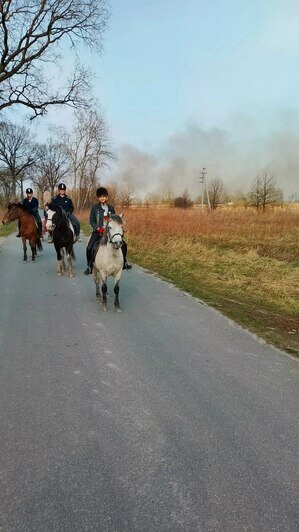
(28, 227)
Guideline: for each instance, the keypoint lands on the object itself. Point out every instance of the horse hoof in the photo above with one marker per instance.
(71, 275)
(118, 310)
(104, 309)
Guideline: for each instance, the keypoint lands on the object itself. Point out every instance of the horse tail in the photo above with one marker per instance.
(39, 244)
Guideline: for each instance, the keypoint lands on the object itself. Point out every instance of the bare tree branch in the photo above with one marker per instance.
(87, 147)
(53, 166)
(30, 31)
(18, 153)
(264, 191)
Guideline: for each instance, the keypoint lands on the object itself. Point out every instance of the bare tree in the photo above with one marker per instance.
(87, 147)
(217, 193)
(18, 153)
(6, 188)
(264, 191)
(184, 201)
(126, 196)
(52, 167)
(30, 34)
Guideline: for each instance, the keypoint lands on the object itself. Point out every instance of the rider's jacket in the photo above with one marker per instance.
(61, 201)
(96, 218)
(32, 206)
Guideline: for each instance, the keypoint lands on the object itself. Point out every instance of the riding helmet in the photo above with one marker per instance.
(61, 186)
(29, 191)
(102, 191)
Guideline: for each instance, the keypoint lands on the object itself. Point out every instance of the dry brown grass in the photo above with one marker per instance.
(271, 234)
(245, 263)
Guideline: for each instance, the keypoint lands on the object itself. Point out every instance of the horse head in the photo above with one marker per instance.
(10, 213)
(115, 230)
(55, 218)
(49, 222)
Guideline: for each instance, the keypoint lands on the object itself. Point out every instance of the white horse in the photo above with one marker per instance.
(109, 260)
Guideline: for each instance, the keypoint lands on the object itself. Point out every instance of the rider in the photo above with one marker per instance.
(31, 205)
(98, 219)
(62, 200)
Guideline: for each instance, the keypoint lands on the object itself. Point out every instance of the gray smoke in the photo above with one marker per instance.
(236, 156)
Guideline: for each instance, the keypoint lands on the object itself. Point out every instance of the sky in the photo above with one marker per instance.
(186, 84)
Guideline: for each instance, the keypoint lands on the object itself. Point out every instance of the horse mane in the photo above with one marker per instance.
(116, 218)
(104, 239)
(20, 206)
(62, 214)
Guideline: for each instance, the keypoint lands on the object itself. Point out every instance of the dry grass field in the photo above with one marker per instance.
(245, 264)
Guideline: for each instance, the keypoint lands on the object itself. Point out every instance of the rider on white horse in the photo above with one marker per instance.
(99, 216)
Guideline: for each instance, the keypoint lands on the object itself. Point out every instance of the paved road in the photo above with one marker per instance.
(166, 417)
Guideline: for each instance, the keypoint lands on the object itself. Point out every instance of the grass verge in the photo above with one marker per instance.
(6, 230)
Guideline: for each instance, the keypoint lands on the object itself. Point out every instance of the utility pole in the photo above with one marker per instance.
(204, 189)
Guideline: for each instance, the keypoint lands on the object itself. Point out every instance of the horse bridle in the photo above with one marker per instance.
(50, 219)
(110, 239)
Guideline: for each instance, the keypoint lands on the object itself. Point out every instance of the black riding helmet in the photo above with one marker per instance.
(29, 191)
(61, 186)
(102, 191)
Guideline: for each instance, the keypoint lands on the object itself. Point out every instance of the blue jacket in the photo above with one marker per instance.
(32, 206)
(61, 201)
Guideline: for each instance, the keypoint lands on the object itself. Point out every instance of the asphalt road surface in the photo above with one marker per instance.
(165, 417)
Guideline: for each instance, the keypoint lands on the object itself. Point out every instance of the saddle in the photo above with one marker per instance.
(38, 225)
(72, 228)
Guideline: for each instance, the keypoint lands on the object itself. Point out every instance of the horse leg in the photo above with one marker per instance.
(104, 295)
(116, 298)
(70, 265)
(33, 249)
(59, 268)
(97, 283)
(62, 259)
(24, 248)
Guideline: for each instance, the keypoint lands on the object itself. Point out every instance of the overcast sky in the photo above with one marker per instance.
(192, 83)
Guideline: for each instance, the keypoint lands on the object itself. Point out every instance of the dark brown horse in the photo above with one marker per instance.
(63, 238)
(28, 227)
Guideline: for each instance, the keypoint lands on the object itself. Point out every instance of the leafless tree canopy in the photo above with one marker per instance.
(264, 191)
(217, 194)
(52, 167)
(30, 34)
(18, 153)
(87, 148)
(184, 201)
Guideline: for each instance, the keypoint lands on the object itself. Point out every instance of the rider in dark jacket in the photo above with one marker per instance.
(62, 200)
(31, 205)
(99, 216)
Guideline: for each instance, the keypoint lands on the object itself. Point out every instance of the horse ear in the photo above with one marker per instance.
(122, 215)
